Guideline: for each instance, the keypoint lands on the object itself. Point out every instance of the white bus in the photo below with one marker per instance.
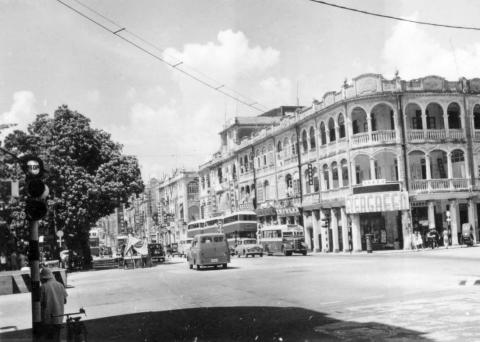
(284, 238)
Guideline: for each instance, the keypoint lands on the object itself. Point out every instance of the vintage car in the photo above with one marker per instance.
(248, 246)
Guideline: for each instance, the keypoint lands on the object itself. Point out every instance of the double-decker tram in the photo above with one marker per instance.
(235, 225)
(240, 224)
(284, 238)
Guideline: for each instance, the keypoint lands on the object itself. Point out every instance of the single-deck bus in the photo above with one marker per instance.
(284, 238)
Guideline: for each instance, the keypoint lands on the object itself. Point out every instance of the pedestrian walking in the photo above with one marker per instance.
(419, 241)
(53, 298)
(13, 261)
(3, 262)
(445, 238)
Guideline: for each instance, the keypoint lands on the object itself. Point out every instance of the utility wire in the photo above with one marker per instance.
(395, 18)
(220, 88)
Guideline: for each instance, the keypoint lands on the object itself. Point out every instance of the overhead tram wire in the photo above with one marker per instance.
(220, 85)
(395, 18)
(222, 89)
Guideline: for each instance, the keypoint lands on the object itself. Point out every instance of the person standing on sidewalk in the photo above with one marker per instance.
(53, 298)
(445, 238)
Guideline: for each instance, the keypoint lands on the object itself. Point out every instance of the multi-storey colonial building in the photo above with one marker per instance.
(381, 157)
(178, 204)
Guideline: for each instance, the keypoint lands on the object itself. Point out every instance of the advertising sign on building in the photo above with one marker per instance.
(377, 202)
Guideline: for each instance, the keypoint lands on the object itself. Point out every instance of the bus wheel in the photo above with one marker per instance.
(224, 265)
(198, 267)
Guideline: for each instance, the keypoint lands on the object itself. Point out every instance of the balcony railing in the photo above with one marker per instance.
(436, 185)
(384, 136)
(334, 194)
(435, 134)
(360, 139)
(379, 137)
(476, 135)
(311, 198)
(456, 134)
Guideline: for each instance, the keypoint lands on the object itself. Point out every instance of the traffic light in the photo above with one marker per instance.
(325, 220)
(37, 191)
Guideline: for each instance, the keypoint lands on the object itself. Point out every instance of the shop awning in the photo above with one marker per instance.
(292, 211)
(266, 211)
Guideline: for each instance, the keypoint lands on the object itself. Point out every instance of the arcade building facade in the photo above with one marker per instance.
(381, 157)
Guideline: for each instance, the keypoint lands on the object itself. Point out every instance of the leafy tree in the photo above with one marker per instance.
(88, 176)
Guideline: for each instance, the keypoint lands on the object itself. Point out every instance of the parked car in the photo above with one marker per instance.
(246, 247)
(208, 250)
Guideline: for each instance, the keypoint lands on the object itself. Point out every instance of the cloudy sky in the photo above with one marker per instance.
(267, 51)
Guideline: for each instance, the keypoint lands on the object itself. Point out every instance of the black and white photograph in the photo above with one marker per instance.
(239, 170)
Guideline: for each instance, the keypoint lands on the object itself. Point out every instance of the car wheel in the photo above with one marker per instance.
(304, 253)
(238, 254)
(190, 266)
(261, 255)
(198, 267)
(215, 266)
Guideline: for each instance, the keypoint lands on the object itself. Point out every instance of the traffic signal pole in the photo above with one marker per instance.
(34, 257)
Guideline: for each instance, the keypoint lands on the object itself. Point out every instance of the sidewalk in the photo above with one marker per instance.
(454, 251)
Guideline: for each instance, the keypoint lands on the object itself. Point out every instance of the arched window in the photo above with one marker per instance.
(264, 154)
(304, 141)
(312, 138)
(294, 146)
(316, 183)
(331, 129)
(279, 147)
(323, 134)
(266, 190)
(286, 145)
(192, 188)
(245, 162)
(344, 166)
(325, 177)
(234, 172)
(341, 126)
(476, 117)
(453, 112)
(308, 187)
(334, 169)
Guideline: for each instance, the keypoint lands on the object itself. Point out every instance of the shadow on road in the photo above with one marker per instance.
(234, 324)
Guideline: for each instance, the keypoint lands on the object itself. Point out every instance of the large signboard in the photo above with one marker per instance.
(377, 202)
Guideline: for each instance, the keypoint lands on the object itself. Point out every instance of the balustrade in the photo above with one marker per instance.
(434, 185)
(456, 134)
(416, 135)
(476, 135)
(360, 139)
(383, 136)
(436, 134)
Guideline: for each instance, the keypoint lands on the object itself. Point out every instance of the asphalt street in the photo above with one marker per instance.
(416, 296)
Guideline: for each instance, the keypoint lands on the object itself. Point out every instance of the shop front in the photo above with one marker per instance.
(379, 216)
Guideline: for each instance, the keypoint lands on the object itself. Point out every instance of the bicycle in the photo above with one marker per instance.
(76, 330)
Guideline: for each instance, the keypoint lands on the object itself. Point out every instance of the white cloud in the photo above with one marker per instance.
(277, 91)
(163, 138)
(416, 53)
(229, 58)
(22, 111)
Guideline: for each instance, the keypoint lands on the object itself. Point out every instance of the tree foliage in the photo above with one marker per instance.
(88, 176)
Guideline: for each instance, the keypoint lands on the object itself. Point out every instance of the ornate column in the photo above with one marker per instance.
(316, 231)
(372, 168)
(324, 232)
(431, 214)
(334, 225)
(344, 220)
(356, 234)
(406, 230)
(472, 217)
(455, 221)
